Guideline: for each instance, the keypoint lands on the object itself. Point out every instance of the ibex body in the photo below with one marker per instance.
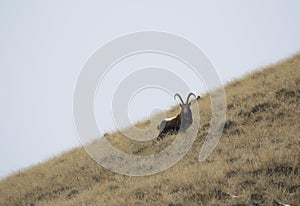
(181, 122)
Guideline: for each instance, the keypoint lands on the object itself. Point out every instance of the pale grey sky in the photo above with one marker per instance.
(44, 44)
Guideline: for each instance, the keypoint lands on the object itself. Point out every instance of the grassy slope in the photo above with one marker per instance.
(256, 161)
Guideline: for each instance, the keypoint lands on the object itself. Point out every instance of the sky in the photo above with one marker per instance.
(44, 45)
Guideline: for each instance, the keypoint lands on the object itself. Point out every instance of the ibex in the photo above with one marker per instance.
(181, 122)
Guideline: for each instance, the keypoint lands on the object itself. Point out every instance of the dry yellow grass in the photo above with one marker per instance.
(256, 162)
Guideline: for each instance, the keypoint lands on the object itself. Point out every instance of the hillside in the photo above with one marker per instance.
(256, 162)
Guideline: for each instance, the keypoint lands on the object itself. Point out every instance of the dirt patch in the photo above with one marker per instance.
(231, 173)
(72, 193)
(286, 94)
(260, 107)
(280, 170)
(229, 124)
(256, 196)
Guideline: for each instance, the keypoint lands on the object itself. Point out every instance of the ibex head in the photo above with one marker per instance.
(186, 112)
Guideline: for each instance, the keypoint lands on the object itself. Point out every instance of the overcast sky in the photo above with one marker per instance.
(44, 44)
